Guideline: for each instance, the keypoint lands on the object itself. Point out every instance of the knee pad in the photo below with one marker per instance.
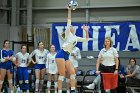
(67, 80)
(1, 82)
(41, 81)
(61, 78)
(49, 84)
(37, 81)
(10, 81)
(73, 76)
(20, 82)
(26, 81)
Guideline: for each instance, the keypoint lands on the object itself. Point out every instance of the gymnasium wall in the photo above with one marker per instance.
(4, 30)
(48, 11)
(45, 12)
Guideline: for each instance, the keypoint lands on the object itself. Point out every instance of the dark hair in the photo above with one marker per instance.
(22, 46)
(5, 42)
(39, 43)
(132, 59)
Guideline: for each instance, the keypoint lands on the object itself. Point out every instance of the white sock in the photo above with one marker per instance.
(12, 91)
(68, 91)
(72, 88)
(48, 84)
(49, 91)
(59, 91)
(36, 89)
(27, 91)
(55, 85)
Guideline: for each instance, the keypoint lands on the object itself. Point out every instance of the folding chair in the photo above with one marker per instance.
(79, 76)
(88, 79)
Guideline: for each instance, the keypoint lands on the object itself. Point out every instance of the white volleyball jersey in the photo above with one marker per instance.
(40, 57)
(75, 56)
(22, 59)
(70, 39)
(51, 64)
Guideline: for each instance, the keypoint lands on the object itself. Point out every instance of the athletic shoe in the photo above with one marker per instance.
(55, 91)
(91, 86)
(73, 91)
(99, 91)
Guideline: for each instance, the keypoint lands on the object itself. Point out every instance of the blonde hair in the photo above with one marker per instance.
(111, 42)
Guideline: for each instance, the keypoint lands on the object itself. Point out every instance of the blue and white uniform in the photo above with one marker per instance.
(22, 69)
(6, 64)
(40, 57)
(75, 56)
(70, 40)
(51, 64)
(22, 65)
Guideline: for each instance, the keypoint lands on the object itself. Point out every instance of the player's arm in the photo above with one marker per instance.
(31, 56)
(47, 63)
(12, 58)
(68, 23)
(86, 28)
(29, 60)
(3, 59)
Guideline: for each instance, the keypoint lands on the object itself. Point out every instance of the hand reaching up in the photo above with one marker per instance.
(85, 27)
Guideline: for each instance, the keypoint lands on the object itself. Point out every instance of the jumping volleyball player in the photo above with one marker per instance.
(62, 57)
(52, 68)
(74, 57)
(7, 58)
(23, 60)
(40, 65)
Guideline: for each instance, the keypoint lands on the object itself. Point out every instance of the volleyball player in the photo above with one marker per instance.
(52, 68)
(7, 59)
(40, 65)
(74, 57)
(23, 60)
(62, 57)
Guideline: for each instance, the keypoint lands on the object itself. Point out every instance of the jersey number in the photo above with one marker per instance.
(23, 60)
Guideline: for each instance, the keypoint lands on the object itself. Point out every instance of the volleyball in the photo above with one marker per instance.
(73, 4)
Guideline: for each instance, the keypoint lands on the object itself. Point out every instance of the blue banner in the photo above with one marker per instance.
(125, 35)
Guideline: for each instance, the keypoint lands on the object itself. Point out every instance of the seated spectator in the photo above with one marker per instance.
(121, 81)
(96, 82)
(133, 71)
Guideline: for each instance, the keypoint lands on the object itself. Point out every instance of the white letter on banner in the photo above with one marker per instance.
(95, 37)
(84, 44)
(59, 31)
(108, 33)
(117, 27)
(133, 37)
